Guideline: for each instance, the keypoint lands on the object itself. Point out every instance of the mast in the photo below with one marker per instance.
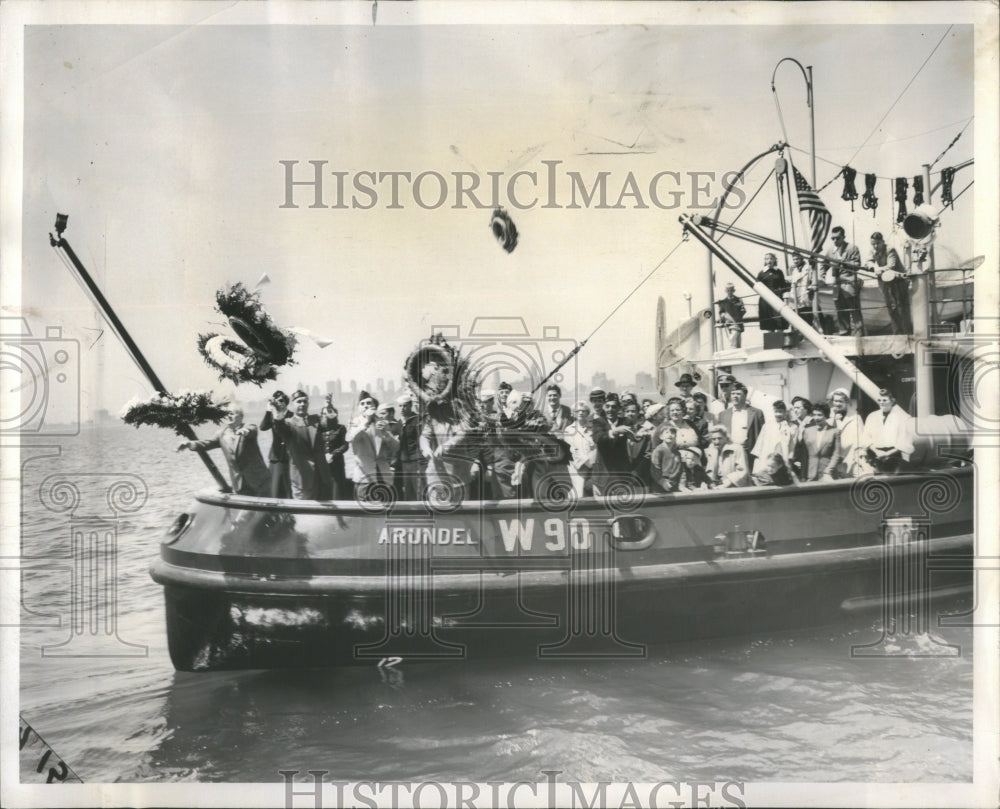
(693, 225)
(920, 305)
(91, 288)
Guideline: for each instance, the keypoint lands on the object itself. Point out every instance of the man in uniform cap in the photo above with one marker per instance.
(304, 436)
(597, 397)
(374, 447)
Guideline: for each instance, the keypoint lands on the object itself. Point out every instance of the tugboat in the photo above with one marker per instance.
(254, 582)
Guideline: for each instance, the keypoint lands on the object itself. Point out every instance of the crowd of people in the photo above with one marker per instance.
(516, 450)
(840, 270)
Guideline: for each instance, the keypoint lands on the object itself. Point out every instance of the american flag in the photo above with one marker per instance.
(818, 217)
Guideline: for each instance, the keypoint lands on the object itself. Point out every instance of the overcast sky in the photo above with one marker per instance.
(163, 144)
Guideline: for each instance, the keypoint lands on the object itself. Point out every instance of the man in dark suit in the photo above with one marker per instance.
(238, 442)
(302, 432)
(277, 456)
(611, 436)
(742, 422)
(557, 415)
(409, 460)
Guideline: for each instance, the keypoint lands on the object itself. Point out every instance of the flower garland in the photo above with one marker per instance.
(187, 409)
(259, 346)
(234, 360)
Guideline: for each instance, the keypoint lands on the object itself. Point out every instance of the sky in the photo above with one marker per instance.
(164, 145)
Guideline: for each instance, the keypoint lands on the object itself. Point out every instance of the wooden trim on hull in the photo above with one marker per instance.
(722, 569)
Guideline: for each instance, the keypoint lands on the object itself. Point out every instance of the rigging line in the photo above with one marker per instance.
(781, 216)
(834, 163)
(898, 98)
(579, 346)
(634, 290)
(874, 144)
(744, 208)
(953, 142)
(781, 118)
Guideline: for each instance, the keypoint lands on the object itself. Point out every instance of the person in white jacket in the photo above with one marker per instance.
(888, 435)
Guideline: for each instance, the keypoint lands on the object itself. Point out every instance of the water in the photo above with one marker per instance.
(789, 707)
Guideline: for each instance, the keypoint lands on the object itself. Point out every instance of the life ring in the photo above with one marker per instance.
(504, 230)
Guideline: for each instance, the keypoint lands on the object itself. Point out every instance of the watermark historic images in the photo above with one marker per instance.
(314, 184)
(317, 791)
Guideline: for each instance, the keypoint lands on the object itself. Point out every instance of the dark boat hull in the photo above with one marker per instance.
(266, 584)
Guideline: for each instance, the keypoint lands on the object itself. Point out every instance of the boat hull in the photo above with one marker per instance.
(265, 584)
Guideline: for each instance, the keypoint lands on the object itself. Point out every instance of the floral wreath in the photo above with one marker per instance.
(260, 346)
(234, 360)
(443, 381)
(187, 409)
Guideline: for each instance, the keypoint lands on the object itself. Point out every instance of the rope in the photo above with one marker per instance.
(850, 192)
(898, 98)
(947, 180)
(901, 186)
(869, 201)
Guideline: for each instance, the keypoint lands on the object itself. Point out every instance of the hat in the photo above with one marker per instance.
(675, 400)
(693, 450)
(629, 396)
(597, 393)
(684, 380)
(612, 397)
(842, 391)
(365, 396)
(726, 379)
(299, 394)
(404, 398)
(653, 409)
(730, 285)
(504, 386)
(385, 408)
